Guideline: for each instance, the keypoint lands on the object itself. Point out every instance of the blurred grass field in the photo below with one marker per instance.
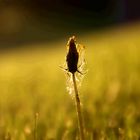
(31, 82)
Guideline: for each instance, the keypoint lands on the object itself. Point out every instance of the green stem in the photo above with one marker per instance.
(78, 107)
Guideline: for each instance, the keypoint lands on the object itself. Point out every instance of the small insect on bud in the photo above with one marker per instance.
(72, 55)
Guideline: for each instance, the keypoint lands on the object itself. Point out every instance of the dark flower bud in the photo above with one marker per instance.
(72, 55)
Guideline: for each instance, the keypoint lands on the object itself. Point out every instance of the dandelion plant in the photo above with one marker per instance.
(74, 66)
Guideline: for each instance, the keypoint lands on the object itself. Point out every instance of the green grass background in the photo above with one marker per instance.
(31, 82)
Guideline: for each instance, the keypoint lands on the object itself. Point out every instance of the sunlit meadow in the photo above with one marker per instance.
(33, 89)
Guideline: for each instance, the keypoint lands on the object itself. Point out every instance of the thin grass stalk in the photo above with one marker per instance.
(35, 126)
(78, 108)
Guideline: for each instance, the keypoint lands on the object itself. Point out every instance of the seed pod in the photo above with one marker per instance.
(72, 55)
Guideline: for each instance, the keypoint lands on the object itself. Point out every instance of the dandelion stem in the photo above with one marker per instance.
(78, 107)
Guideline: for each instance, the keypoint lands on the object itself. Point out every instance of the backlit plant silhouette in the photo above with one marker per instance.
(75, 63)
